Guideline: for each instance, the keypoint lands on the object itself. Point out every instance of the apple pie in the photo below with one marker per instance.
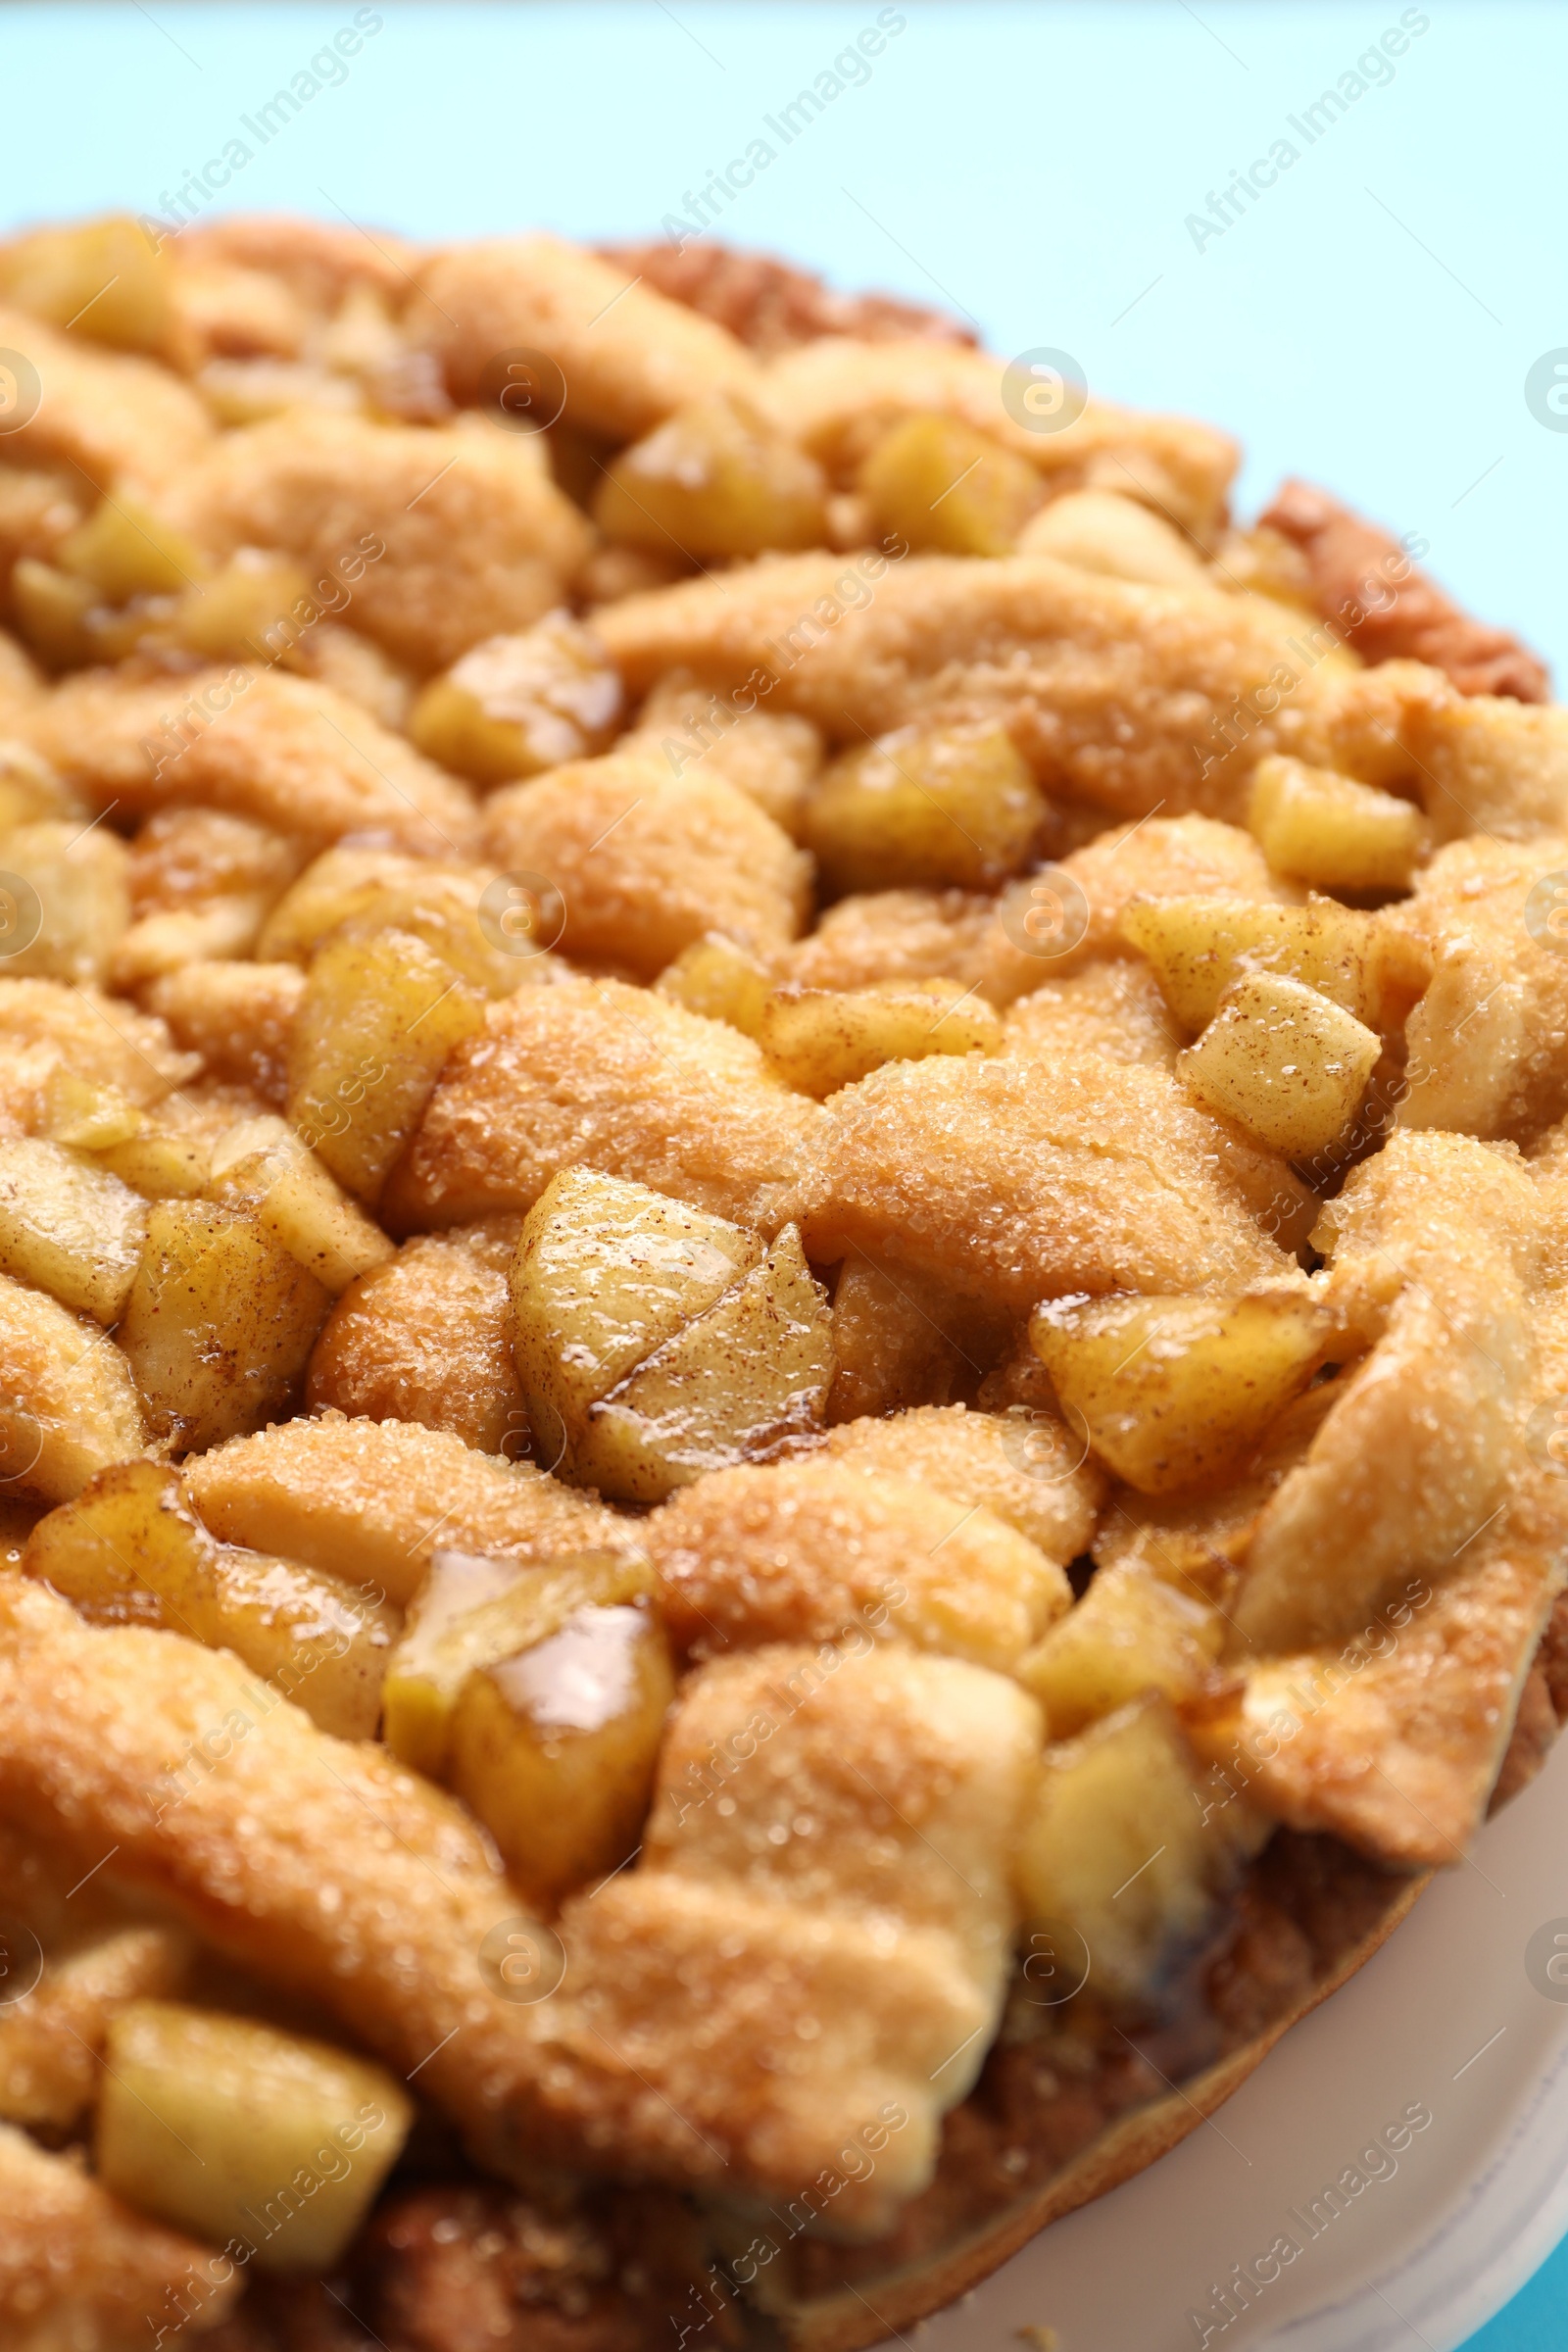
(783, 1287)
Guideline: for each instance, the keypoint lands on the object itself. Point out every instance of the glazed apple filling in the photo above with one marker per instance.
(783, 1313)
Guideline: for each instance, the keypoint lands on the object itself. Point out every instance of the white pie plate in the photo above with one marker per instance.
(1447, 2018)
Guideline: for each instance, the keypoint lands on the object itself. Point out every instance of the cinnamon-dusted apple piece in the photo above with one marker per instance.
(131, 1550)
(70, 1407)
(54, 1039)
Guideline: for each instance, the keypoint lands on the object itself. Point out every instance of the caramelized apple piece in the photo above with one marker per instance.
(378, 1019)
(1198, 946)
(924, 806)
(743, 1382)
(716, 977)
(218, 1325)
(262, 1165)
(942, 487)
(68, 1406)
(474, 1610)
(1284, 1061)
(1175, 1390)
(714, 479)
(124, 550)
(248, 612)
(555, 1748)
(819, 1038)
(105, 280)
(516, 705)
(1324, 828)
(606, 1272)
(68, 1228)
(1130, 1633)
(1117, 1849)
(245, 2136)
(131, 1549)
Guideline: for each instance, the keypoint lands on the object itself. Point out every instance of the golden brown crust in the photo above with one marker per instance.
(283, 751)
(1402, 1754)
(787, 1994)
(1112, 690)
(599, 1074)
(96, 1037)
(1479, 1038)
(104, 417)
(1356, 569)
(826, 2321)
(646, 861)
(785, 1957)
(1134, 699)
(318, 260)
(82, 2273)
(627, 356)
(1081, 1176)
(425, 1338)
(374, 1501)
(819, 1549)
(221, 1800)
(767, 305)
(427, 542)
(1038, 1480)
(239, 1018)
(1436, 1257)
(1113, 1007)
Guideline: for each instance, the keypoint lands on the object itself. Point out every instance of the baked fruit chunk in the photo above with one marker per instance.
(653, 1343)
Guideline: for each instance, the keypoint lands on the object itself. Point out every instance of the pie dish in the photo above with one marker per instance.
(782, 1322)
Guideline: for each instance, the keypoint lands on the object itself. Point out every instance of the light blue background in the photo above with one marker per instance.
(1369, 323)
